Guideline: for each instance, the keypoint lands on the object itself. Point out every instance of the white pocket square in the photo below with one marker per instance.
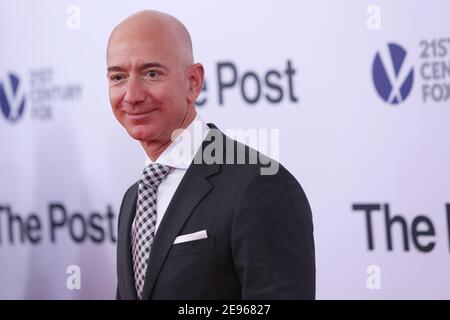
(191, 237)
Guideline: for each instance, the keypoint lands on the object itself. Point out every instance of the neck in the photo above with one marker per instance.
(154, 149)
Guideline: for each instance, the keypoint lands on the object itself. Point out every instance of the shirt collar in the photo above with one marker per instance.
(180, 153)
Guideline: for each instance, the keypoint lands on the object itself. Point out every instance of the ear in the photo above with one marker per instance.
(195, 81)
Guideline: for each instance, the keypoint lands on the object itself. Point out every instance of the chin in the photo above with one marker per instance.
(142, 133)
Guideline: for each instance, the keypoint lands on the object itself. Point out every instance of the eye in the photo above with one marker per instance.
(152, 73)
(117, 77)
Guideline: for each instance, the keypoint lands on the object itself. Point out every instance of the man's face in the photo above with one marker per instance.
(148, 84)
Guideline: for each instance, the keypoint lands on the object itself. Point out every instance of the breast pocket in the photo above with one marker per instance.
(192, 247)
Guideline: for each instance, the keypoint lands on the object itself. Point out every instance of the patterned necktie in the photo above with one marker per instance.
(144, 223)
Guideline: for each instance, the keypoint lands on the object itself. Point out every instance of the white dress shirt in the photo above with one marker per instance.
(178, 155)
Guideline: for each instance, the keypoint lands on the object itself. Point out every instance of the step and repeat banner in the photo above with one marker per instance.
(354, 96)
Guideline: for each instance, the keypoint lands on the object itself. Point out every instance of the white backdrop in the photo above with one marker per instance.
(65, 162)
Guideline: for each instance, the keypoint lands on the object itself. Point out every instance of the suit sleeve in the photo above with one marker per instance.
(118, 293)
(272, 239)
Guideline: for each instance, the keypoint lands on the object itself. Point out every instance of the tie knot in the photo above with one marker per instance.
(154, 174)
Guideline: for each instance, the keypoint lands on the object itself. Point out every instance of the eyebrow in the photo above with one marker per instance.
(143, 66)
(114, 68)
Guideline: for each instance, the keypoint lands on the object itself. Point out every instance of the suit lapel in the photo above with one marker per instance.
(124, 259)
(193, 188)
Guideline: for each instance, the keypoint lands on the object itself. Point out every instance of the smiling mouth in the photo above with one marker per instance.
(139, 115)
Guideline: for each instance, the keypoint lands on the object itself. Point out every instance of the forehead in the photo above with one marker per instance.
(128, 50)
(142, 45)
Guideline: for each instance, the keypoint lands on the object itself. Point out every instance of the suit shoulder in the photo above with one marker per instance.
(246, 161)
(236, 152)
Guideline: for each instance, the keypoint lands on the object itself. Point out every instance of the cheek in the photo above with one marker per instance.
(115, 96)
(163, 96)
(176, 96)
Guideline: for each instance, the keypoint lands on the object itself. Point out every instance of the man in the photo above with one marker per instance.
(201, 229)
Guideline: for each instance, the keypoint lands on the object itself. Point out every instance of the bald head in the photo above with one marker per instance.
(157, 28)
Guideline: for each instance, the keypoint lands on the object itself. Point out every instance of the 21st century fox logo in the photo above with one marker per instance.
(38, 95)
(394, 72)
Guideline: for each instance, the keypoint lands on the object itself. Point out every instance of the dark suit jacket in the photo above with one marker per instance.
(260, 241)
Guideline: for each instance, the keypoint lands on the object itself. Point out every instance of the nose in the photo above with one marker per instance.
(135, 91)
